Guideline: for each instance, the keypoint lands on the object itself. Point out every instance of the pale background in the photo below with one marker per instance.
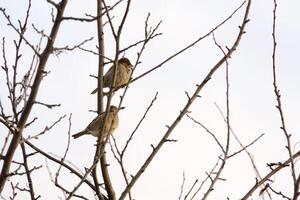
(252, 98)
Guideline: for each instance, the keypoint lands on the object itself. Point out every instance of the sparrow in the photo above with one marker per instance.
(94, 128)
(123, 73)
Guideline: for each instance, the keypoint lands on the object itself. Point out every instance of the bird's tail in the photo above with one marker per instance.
(94, 91)
(76, 135)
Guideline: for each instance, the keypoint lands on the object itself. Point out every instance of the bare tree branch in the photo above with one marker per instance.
(278, 99)
(245, 147)
(182, 186)
(226, 149)
(47, 128)
(208, 176)
(138, 125)
(20, 32)
(190, 190)
(93, 18)
(188, 46)
(208, 131)
(34, 90)
(58, 161)
(101, 148)
(58, 50)
(53, 3)
(28, 172)
(186, 107)
(279, 193)
(100, 37)
(269, 175)
(50, 106)
(257, 173)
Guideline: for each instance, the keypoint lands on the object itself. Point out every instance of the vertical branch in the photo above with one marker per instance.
(106, 178)
(28, 172)
(15, 104)
(103, 162)
(101, 55)
(117, 37)
(15, 66)
(34, 91)
(123, 20)
(148, 35)
(226, 150)
(100, 89)
(182, 186)
(109, 19)
(67, 149)
(296, 188)
(257, 173)
(278, 98)
(12, 82)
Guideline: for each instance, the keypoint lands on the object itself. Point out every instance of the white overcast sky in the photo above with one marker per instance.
(252, 99)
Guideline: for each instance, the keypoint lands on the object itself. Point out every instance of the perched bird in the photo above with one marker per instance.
(123, 73)
(94, 128)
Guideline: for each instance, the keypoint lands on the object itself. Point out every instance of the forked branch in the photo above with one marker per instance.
(186, 107)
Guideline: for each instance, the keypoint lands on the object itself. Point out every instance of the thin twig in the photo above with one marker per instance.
(58, 161)
(148, 34)
(47, 128)
(208, 176)
(182, 186)
(66, 151)
(208, 131)
(257, 173)
(92, 18)
(28, 172)
(58, 50)
(186, 107)
(50, 106)
(82, 180)
(226, 149)
(18, 31)
(278, 98)
(139, 42)
(109, 19)
(269, 175)
(4, 144)
(279, 193)
(53, 3)
(190, 190)
(190, 45)
(121, 153)
(8, 126)
(245, 147)
(139, 123)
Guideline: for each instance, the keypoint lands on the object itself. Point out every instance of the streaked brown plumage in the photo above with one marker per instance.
(123, 74)
(94, 128)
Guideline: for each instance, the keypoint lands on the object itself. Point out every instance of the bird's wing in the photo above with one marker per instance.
(96, 123)
(107, 77)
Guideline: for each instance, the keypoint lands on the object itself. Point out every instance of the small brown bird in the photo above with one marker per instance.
(94, 128)
(123, 74)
